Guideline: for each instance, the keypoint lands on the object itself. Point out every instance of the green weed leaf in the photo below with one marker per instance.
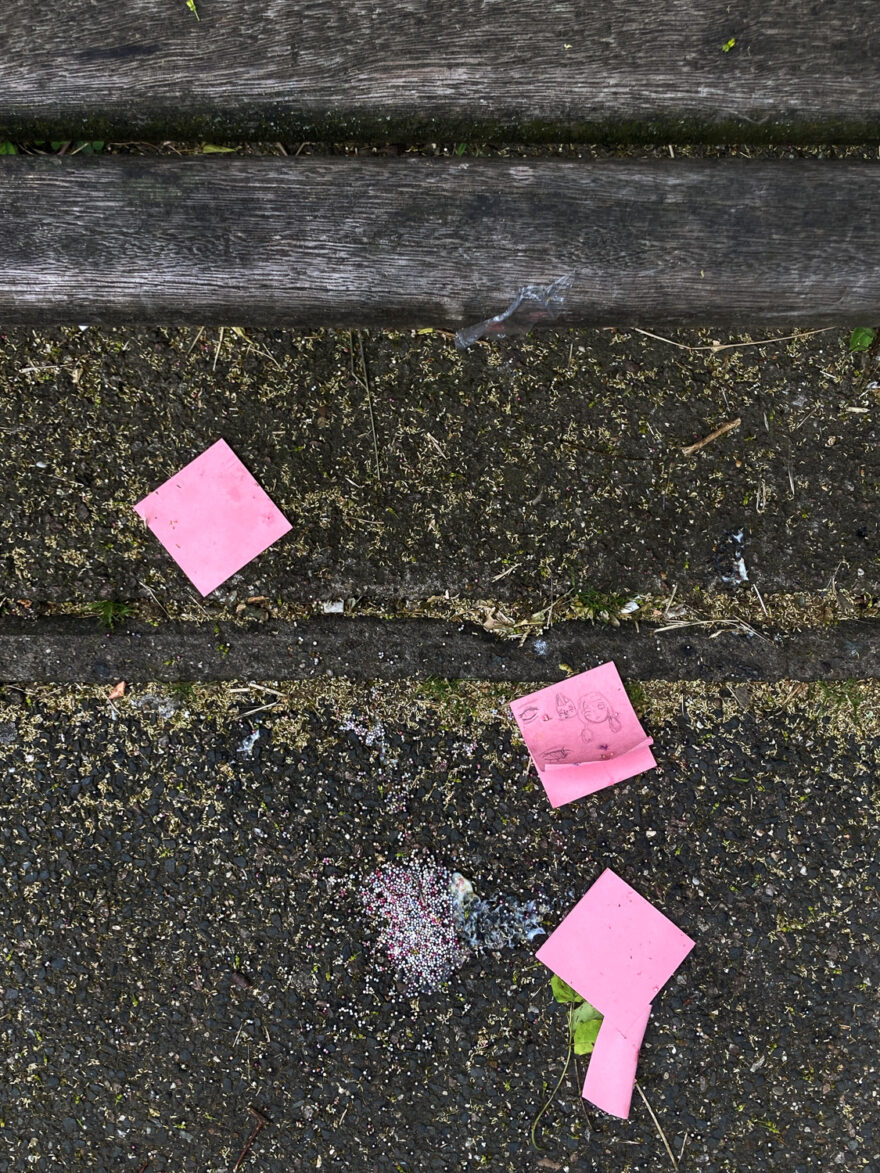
(861, 338)
(585, 1035)
(8, 148)
(562, 991)
(584, 1013)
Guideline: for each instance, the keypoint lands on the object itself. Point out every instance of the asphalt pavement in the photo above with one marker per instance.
(186, 939)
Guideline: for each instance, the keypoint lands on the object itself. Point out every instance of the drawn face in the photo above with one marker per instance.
(595, 708)
(565, 707)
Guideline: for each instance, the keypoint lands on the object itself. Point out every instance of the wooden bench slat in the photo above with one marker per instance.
(405, 69)
(414, 242)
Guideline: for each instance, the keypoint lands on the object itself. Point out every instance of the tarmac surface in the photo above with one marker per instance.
(537, 465)
(185, 938)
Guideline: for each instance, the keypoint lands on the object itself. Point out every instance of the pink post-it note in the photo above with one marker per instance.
(611, 1073)
(616, 949)
(212, 517)
(583, 734)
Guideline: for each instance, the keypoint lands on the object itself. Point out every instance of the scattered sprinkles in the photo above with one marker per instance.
(413, 907)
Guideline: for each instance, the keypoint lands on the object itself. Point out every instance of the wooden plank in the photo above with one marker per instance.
(66, 649)
(405, 69)
(414, 242)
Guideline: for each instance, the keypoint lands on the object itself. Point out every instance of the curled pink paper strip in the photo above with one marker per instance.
(611, 1073)
(565, 783)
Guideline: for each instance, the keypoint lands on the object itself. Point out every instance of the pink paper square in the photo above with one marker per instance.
(583, 734)
(616, 949)
(212, 517)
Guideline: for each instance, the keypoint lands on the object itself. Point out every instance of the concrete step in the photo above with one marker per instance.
(539, 467)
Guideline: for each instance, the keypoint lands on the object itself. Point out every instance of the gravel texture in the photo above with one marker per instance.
(183, 936)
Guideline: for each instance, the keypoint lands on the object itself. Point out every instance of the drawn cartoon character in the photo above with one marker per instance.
(554, 756)
(594, 709)
(565, 707)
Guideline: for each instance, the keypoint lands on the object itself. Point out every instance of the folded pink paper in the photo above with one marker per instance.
(611, 1073)
(583, 734)
(616, 950)
(212, 517)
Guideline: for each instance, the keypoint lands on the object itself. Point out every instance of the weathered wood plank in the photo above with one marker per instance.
(67, 649)
(414, 242)
(582, 69)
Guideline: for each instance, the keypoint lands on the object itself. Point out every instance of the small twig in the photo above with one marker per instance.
(217, 351)
(760, 600)
(831, 589)
(252, 346)
(433, 440)
(154, 597)
(369, 403)
(716, 346)
(262, 1121)
(810, 413)
(252, 687)
(580, 1083)
(504, 573)
(192, 345)
(683, 1143)
(676, 624)
(261, 709)
(145, 1165)
(722, 625)
(198, 603)
(728, 427)
(659, 1129)
(671, 600)
(552, 1095)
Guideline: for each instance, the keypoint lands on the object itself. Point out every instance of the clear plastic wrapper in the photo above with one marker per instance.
(533, 304)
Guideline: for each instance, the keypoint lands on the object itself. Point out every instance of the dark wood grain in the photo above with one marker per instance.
(403, 68)
(418, 242)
